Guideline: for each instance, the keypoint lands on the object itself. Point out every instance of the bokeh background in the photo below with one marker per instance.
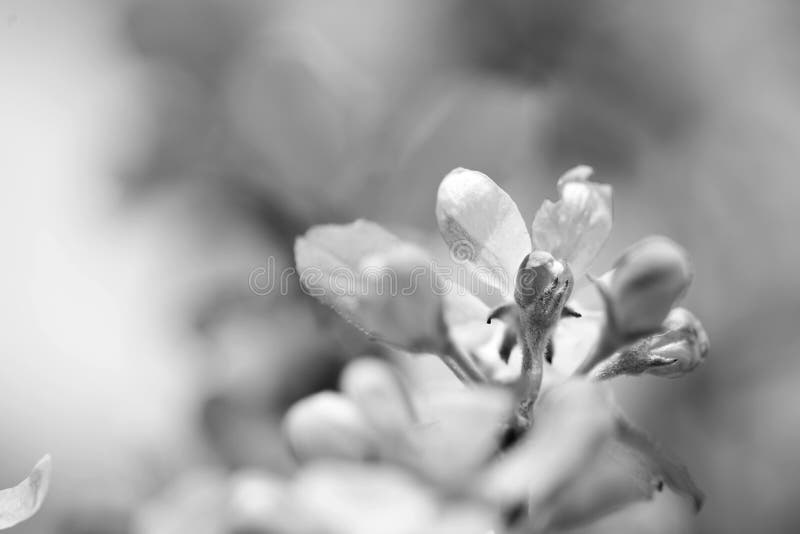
(156, 152)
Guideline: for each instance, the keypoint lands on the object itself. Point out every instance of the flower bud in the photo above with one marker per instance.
(543, 286)
(329, 425)
(677, 349)
(684, 344)
(648, 279)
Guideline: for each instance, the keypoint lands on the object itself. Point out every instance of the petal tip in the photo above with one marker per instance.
(580, 173)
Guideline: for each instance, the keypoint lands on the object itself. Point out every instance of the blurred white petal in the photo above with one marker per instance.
(254, 500)
(459, 429)
(362, 499)
(329, 425)
(376, 389)
(629, 468)
(381, 284)
(573, 421)
(485, 232)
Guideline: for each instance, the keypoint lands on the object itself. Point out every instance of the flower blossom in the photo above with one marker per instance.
(523, 435)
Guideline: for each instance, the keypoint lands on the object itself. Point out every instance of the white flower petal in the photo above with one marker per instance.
(459, 429)
(383, 285)
(573, 421)
(377, 391)
(576, 227)
(630, 468)
(347, 498)
(329, 425)
(485, 232)
(23, 500)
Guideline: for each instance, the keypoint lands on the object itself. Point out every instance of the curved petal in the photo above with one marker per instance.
(622, 474)
(576, 227)
(23, 500)
(485, 232)
(383, 285)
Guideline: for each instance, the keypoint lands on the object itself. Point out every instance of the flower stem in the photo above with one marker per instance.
(534, 342)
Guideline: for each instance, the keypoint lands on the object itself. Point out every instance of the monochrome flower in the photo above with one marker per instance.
(519, 434)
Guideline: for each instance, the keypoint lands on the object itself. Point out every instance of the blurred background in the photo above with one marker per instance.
(156, 152)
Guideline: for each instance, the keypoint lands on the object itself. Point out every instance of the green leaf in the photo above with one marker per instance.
(23, 500)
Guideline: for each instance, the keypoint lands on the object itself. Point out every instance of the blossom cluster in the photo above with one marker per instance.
(528, 439)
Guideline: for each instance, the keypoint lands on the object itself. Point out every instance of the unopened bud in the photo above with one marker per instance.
(677, 349)
(648, 280)
(329, 425)
(543, 286)
(684, 344)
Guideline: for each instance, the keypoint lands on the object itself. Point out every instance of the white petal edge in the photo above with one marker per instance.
(23, 500)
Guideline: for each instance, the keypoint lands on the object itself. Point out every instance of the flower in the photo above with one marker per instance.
(444, 443)
(474, 213)
(533, 439)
